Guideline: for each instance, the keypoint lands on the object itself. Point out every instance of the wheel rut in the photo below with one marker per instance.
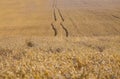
(54, 29)
(116, 16)
(60, 14)
(66, 31)
(54, 14)
(58, 21)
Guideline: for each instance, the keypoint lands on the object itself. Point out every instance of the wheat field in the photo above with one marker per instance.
(60, 39)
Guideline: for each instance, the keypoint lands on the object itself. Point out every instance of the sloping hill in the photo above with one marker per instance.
(60, 18)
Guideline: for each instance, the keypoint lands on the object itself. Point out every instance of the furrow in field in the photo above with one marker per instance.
(116, 30)
(58, 21)
(54, 29)
(54, 4)
(61, 23)
(66, 31)
(55, 17)
(60, 14)
(116, 17)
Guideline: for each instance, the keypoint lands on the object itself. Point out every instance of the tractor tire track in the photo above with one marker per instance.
(54, 17)
(54, 3)
(54, 29)
(116, 30)
(60, 14)
(66, 31)
(54, 14)
(62, 25)
(116, 17)
(58, 19)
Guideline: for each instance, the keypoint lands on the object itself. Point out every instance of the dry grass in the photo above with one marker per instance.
(67, 65)
(83, 60)
(60, 39)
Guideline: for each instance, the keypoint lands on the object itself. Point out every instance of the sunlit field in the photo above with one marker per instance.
(60, 39)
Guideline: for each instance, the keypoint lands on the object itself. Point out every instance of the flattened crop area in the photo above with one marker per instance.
(59, 18)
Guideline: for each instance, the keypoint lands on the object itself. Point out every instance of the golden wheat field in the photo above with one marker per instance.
(60, 39)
